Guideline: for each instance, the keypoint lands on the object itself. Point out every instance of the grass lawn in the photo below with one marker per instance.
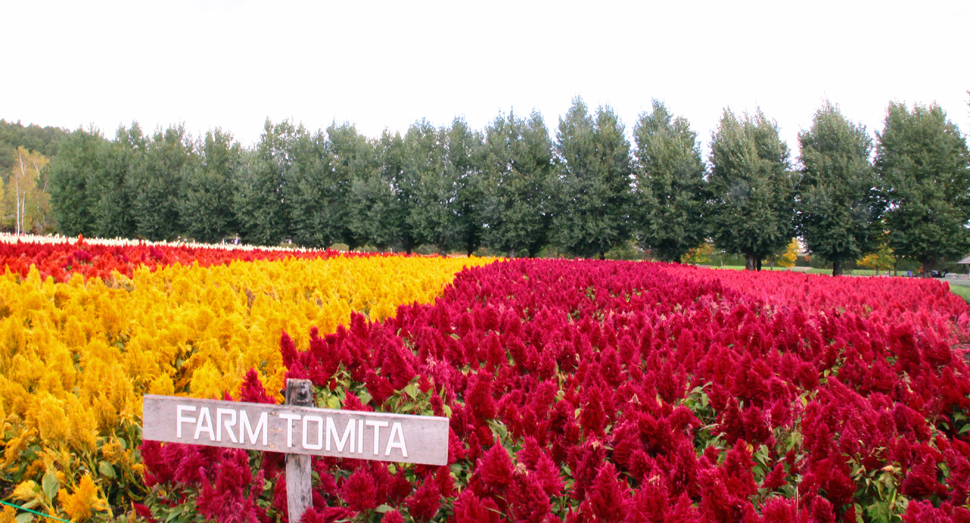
(854, 272)
(961, 291)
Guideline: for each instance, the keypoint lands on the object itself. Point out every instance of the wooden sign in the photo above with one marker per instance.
(296, 430)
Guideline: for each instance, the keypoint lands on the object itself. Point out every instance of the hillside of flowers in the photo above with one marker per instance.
(577, 390)
(87, 328)
(611, 391)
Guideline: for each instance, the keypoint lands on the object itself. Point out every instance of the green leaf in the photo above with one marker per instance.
(25, 517)
(411, 390)
(51, 486)
(383, 509)
(106, 469)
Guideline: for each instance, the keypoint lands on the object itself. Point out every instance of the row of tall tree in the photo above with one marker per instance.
(515, 189)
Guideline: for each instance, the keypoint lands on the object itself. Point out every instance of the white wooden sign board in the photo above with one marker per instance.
(296, 430)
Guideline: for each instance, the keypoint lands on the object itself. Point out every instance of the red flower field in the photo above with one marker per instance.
(614, 391)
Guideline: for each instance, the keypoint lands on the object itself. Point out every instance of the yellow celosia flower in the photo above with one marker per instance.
(162, 385)
(83, 425)
(83, 501)
(207, 382)
(52, 422)
(26, 490)
(9, 515)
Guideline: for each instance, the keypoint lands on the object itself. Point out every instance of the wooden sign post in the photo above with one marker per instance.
(299, 484)
(299, 430)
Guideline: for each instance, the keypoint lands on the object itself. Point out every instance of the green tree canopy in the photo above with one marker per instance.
(439, 182)
(594, 198)
(517, 174)
(463, 170)
(354, 160)
(309, 181)
(206, 209)
(260, 185)
(753, 195)
(671, 189)
(44, 140)
(921, 159)
(378, 205)
(838, 206)
(72, 172)
(423, 189)
(111, 185)
(155, 183)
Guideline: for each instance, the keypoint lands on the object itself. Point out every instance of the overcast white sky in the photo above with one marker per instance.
(386, 64)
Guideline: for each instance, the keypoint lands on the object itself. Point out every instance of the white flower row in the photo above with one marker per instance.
(123, 242)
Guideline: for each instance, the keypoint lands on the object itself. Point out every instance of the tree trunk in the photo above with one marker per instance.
(16, 198)
(750, 262)
(602, 255)
(836, 268)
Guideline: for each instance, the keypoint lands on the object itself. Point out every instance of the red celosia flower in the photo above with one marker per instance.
(775, 479)
(194, 463)
(585, 462)
(470, 509)
(423, 503)
(921, 481)
(352, 402)
(400, 487)
(779, 510)
(325, 514)
(527, 499)
(359, 491)
(379, 387)
(923, 512)
(822, 511)
(717, 502)
(547, 475)
(607, 498)
(683, 511)
(143, 512)
(225, 500)
(252, 390)
(158, 469)
(494, 470)
(288, 350)
(479, 398)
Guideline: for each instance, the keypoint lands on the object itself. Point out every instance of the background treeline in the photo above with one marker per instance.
(24, 156)
(517, 189)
